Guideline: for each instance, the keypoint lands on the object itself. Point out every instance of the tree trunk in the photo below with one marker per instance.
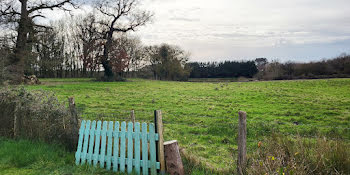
(15, 66)
(173, 160)
(108, 73)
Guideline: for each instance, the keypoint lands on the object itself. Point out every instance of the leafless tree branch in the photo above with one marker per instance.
(60, 5)
(120, 16)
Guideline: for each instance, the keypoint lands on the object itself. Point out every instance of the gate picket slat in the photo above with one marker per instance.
(130, 147)
(153, 154)
(103, 145)
(144, 149)
(109, 145)
(122, 147)
(116, 147)
(137, 147)
(91, 144)
(86, 142)
(97, 143)
(80, 142)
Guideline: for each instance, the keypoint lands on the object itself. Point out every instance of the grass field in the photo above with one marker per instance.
(32, 158)
(203, 116)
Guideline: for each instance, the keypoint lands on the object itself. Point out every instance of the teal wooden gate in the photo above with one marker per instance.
(118, 147)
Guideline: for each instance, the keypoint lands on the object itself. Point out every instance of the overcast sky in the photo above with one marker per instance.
(245, 29)
(298, 30)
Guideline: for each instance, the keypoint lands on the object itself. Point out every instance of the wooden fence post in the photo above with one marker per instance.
(132, 115)
(160, 145)
(173, 158)
(74, 124)
(16, 124)
(242, 142)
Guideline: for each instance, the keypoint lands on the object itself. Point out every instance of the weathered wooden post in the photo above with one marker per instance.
(74, 124)
(132, 116)
(242, 142)
(16, 124)
(174, 164)
(160, 145)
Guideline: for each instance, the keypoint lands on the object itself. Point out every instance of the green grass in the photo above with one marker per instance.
(28, 157)
(203, 116)
(33, 157)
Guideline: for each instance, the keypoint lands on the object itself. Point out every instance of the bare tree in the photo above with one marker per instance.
(23, 13)
(68, 30)
(90, 40)
(119, 16)
(134, 49)
(50, 54)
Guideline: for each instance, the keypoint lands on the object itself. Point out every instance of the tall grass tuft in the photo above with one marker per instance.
(285, 155)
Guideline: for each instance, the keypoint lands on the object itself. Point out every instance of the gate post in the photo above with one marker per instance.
(132, 116)
(74, 124)
(158, 121)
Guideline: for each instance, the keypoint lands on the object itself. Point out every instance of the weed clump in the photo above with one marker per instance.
(285, 155)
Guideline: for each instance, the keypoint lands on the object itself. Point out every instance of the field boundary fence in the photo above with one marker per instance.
(264, 128)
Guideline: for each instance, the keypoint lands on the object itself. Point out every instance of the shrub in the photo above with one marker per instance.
(280, 154)
(35, 115)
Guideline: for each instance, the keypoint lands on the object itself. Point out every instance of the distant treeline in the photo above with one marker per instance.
(82, 46)
(224, 69)
(262, 69)
(52, 58)
(333, 68)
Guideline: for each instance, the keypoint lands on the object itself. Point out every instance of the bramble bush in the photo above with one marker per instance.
(35, 115)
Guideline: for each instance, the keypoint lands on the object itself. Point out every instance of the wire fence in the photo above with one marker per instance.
(256, 128)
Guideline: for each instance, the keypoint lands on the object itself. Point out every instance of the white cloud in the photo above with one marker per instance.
(249, 28)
